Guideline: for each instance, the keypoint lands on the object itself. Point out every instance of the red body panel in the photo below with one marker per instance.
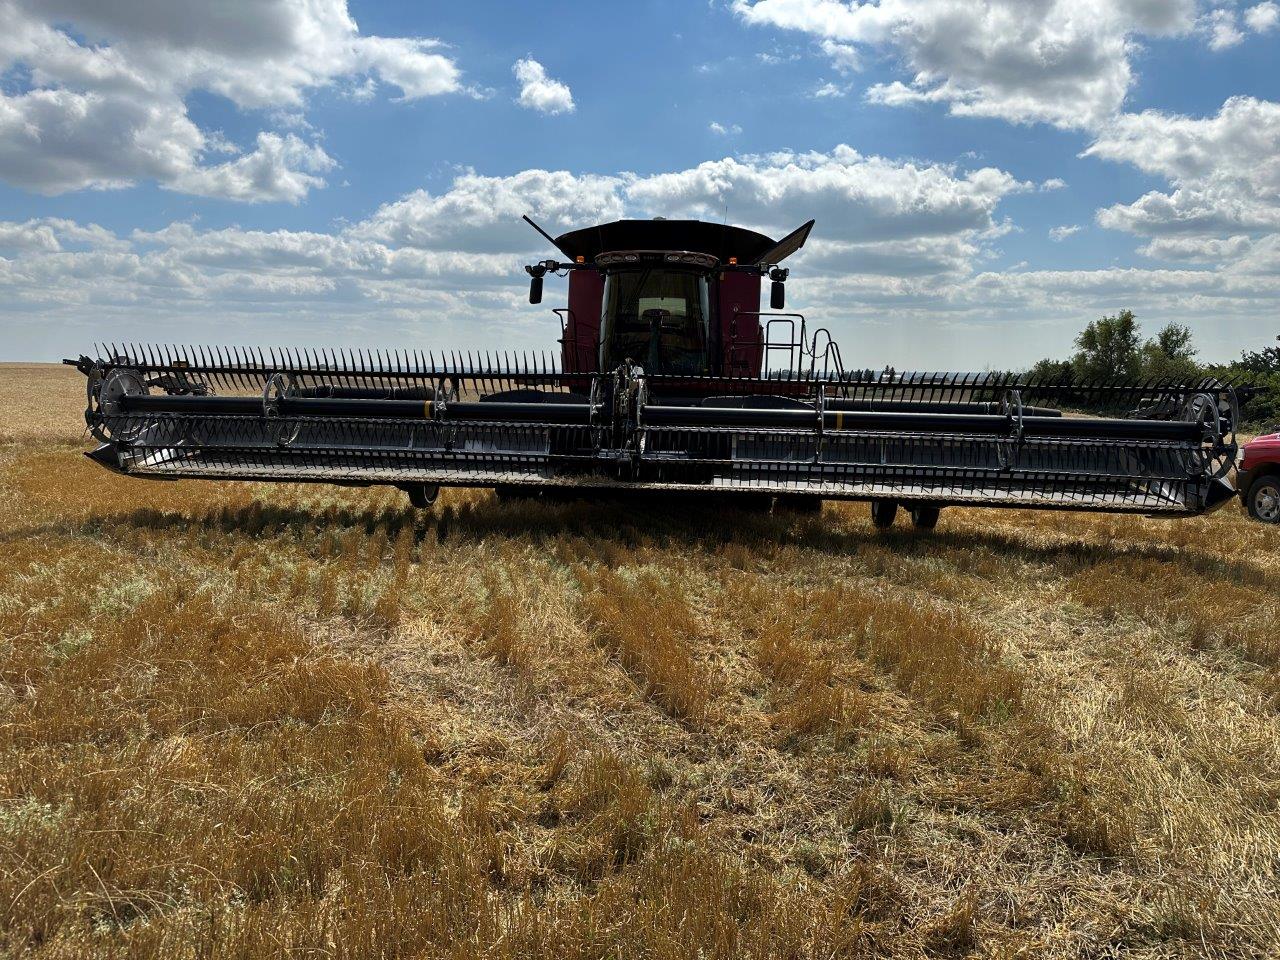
(1260, 451)
(741, 342)
(582, 325)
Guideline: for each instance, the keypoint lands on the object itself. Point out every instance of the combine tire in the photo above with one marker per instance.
(422, 495)
(925, 518)
(883, 513)
(1263, 499)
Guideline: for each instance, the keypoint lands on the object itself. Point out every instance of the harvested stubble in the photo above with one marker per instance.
(252, 721)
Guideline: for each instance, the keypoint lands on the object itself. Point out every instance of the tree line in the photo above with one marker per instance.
(1114, 348)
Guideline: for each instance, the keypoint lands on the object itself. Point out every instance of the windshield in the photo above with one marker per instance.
(657, 318)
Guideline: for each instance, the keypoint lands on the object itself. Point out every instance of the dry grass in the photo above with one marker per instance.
(244, 721)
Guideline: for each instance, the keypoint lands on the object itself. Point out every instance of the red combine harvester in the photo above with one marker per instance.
(670, 377)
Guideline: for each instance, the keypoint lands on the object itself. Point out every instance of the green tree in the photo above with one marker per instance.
(1170, 355)
(1052, 371)
(1109, 348)
(1261, 361)
(1260, 371)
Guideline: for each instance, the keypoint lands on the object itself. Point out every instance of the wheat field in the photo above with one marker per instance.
(251, 721)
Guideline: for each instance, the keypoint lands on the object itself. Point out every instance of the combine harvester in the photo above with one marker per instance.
(670, 378)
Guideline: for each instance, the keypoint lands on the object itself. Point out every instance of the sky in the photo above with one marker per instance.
(987, 176)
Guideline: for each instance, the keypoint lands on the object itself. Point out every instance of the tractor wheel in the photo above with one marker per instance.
(925, 518)
(422, 495)
(1263, 499)
(883, 513)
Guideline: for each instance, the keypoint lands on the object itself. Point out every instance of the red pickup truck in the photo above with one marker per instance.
(1259, 477)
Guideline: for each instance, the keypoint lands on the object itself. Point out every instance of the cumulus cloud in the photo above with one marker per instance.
(1197, 249)
(843, 56)
(539, 91)
(482, 213)
(1064, 62)
(1222, 29)
(1263, 16)
(281, 168)
(1058, 234)
(855, 197)
(719, 129)
(102, 97)
(1225, 169)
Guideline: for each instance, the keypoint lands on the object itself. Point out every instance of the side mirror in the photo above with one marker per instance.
(535, 290)
(777, 295)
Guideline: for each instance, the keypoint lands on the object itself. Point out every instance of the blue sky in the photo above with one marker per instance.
(986, 177)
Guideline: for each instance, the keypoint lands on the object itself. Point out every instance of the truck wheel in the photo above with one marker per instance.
(925, 518)
(883, 513)
(1264, 499)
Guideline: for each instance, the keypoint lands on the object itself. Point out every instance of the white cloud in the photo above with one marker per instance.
(540, 92)
(102, 97)
(855, 197)
(843, 56)
(1064, 62)
(1053, 183)
(721, 130)
(28, 237)
(281, 168)
(1058, 234)
(1225, 169)
(1263, 16)
(52, 141)
(481, 213)
(1198, 249)
(828, 91)
(1221, 27)
(408, 63)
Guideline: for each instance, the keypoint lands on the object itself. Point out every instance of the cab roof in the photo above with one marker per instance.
(719, 240)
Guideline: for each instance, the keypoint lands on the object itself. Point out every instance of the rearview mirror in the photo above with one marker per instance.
(535, 290)
(777, 295)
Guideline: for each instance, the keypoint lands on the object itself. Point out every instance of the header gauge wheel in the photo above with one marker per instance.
(883, 513)
(925, 518)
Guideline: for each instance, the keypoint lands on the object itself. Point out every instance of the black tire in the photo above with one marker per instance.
(422, 495)
(925, 518)
(1263, 499)
(883, 513)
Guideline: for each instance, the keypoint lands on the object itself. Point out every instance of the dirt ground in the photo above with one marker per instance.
(250, 721)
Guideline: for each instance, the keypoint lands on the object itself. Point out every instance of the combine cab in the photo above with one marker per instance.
(670, 377)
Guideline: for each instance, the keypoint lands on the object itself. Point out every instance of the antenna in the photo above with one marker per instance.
(550, 239)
